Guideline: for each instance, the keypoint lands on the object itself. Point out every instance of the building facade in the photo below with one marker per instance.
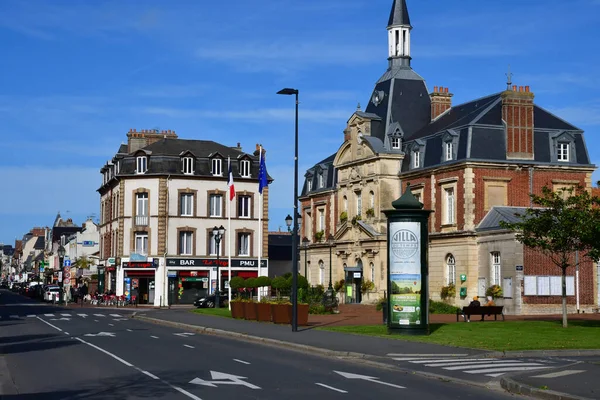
(161, 197)
(473, 164)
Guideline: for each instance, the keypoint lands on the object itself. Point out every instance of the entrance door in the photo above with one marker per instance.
(171, 288)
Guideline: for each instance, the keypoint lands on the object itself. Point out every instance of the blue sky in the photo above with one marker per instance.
(76, 76)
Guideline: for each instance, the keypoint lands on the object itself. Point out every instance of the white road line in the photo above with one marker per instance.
(444, 360)
(129, 330)
(116, 315)
(154, 337)
(189, 347)
(331, 387)
(119, 359)
(99, 315)
(241, 361)
(185, 392)
(96, 320)
(49, 315)
(82, 315)
(66, 333)
(472, 363)
(111, 324)
(148, 373)
(14, 316)
(560, 373)
(520, 364)
(31, 316)
(48, 323)
(425, 355)
(494, 370)
(65, 315)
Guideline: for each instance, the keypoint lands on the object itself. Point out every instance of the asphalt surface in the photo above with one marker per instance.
(103, 354)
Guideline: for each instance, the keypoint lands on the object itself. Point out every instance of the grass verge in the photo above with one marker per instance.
(218, 312)
(499, 336)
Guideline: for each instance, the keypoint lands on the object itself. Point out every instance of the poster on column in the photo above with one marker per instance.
(405, 273)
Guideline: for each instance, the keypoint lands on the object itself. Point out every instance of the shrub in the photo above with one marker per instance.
(318, 309)
(495, 291)
(339, 285)
(263, 281)
(343, 217)
(448, 292)
(319, 235)
(370, 212)
(237, 282)
(439, 307)
(302, 282)
(250, 283)
(355, 219)
(366, 286)
(380, 303)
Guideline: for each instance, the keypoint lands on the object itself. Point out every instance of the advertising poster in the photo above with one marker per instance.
(405, 273)
(127, 291)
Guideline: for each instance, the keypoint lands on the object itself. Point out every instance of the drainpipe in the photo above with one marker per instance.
(577, 277)
(165, 298)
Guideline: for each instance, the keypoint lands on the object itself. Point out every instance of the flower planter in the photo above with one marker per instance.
(237, 309)
(263, 312)
(250, 310)
(302, 314)
(282, 313)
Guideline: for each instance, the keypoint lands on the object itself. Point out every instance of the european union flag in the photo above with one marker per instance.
(262, 174)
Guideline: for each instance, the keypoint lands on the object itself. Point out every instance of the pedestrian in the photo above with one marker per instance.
(475, 303)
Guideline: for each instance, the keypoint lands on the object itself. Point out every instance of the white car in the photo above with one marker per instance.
(52, 293)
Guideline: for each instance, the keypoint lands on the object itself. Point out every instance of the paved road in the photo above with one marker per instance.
(105, 355)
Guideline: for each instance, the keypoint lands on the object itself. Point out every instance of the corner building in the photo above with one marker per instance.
(160, 198)
(474, 164)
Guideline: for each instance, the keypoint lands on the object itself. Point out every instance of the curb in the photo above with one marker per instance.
(513, 386)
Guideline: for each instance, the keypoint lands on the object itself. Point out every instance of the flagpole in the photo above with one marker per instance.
(229, 241)
(260, 209)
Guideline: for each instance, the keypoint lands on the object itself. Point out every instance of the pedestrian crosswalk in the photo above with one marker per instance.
(492, 367)
(115, 317)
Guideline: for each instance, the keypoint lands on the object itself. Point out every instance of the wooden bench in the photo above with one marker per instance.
(483, 311)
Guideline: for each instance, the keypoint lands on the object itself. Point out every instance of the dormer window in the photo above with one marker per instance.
(448, 151)
(562, 152)
(188, 165)
(416, 158)
(321, 181)
(141, 165)
(309, 185)
(395, 141)
(217, 167)
(245, 169)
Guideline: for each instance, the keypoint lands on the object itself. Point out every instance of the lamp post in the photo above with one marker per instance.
(288, 222)
(218, 235)
(305, 243)
(330, 241)
(288, 92)
(61, 256)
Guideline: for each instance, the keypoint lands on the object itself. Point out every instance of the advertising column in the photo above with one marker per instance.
(408, 271)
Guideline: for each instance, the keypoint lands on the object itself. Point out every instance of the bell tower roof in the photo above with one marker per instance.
(399, 14)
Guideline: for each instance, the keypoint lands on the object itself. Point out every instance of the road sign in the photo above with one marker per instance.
(67, 262)
(221, 378)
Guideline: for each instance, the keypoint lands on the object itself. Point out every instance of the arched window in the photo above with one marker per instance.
(451, 269)
(496, 268)
(346, 203)
(372, 266)
(321, 272)
(371, 200)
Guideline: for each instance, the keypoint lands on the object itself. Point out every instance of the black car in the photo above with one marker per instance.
(209, 301)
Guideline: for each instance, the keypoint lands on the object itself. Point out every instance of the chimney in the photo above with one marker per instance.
(441, 101)
(137, 140)
(517, 114)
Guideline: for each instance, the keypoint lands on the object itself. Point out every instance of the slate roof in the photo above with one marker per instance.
(59, 231)
(39, 243)
(399, 14)
(326, 167)
(492, 219)
(369, 228)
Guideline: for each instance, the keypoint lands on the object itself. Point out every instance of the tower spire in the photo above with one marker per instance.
(399, 28)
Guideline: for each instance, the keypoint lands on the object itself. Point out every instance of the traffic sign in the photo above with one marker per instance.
(67, 262)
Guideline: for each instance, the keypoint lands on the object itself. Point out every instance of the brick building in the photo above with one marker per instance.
(474, 164)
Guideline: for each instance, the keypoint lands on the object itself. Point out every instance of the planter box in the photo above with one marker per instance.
(250, 311)
(282, 313)
(302, 314)
(263, 312)
(237, 309)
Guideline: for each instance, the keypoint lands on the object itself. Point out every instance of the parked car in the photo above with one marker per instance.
(209, 301)
(51, 293)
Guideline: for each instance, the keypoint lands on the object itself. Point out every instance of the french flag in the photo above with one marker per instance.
(230, 183)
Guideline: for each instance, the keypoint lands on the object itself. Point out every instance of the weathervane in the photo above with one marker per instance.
(509, 77)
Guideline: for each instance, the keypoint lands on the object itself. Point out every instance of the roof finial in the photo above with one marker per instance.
(509, 78)
(358, 107)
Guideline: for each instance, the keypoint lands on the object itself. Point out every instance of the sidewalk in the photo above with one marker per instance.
(374, 349)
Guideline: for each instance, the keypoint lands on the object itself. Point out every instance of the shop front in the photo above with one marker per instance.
(140, 280)
(190, 278)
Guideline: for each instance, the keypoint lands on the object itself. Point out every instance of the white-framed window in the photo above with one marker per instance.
(187, 205)
(496, 268)
(244, 206)
(562, 152)
(321, 220)
(450, 208)
(451, 269)
(243, 244)
(449, 151)
(358, 203)
(547, 285)
(346, 203)
(141, 212)
(395, 142)
(372, 200)
(186, 240)
(321, 272)
(141, 165)
(216, 205)
(141, 243)
(245, 169)
(212, 245)
(187, 165)
(309, 182)
(217, 166)
(416, 159)
(372, 268)
(321, 180)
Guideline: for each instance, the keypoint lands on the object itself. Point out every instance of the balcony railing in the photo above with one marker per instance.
(141, 220)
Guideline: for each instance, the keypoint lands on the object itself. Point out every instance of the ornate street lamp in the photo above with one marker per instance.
(218, 235)
(61, 256)
(288, 222)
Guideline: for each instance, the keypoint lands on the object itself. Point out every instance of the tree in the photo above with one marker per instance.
(563, 222)
(83, 262)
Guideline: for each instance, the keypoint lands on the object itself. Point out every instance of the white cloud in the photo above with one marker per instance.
(43, 190)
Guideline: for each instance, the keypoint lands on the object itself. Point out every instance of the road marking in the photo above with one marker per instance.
(96, 320)
(66, 315)
(48, 323)
(184, 334)
(14, 316)
(49, 315)
(474, 363)
(108, 353)
(444, 360)
(180, 390)
(154, 337)
(331, 387)
(82, 315)
(111, 324)
(494, 370)
(189, 347)
(241, 361)
(66, 333)
(373, 379)
(116, 315)
(221, 378)
(31, 316)
(110, 334)
(61, 319)
(120, 319)
(129, 330)
(513, 364)
(99, 315)
(425, 355)
(148, 373)
(560, 373)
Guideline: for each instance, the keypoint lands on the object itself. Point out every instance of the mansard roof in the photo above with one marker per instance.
(326, 167)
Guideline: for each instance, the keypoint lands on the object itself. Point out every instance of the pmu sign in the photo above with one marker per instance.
(213, 262)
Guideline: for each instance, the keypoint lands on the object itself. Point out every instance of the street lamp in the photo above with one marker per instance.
(288, 222)
(61, 256)
(330, 241)
(289, 91)
(305, 243)
(218, 235)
